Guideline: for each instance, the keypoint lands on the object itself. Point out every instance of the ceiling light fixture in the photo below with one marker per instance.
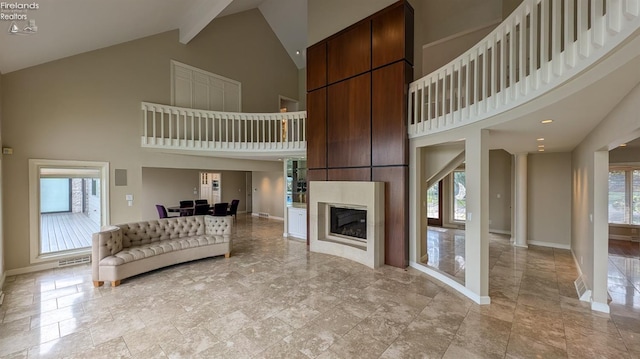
(540, 139)
(541, 150)
(540, 146)
(297, 52)
(546, 121)
(623, 145)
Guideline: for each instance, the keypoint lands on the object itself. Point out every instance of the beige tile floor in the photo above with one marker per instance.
(274, 299)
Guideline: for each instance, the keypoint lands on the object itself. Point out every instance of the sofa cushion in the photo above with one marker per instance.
(158, 247)
(143, 233)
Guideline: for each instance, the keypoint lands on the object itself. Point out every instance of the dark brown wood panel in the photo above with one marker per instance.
(317, 66)
(349, 122)
(317, 128)
(396, 224)
(389, 33)
(349, 174)
(316, 175)
(389, 139)
(349, 53)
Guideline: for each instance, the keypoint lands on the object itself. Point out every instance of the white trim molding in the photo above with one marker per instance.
(550, 244)
(35, 166)
(482, 300)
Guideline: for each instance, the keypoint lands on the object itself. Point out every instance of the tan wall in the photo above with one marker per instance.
(167, 186)
(87, 107)
(549, 198)
(499, 191)
(1, 195)
(268, 193)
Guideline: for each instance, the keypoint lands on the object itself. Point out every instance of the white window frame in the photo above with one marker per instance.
(34, 204)
(628, 184)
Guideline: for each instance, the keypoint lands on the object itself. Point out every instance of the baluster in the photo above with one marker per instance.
(632, 8)
(597, 22)
(459, 92)
(583, 27)
(522, 58)
(569, 34)
(544, 41)
(504, 64)
(451, 97)
(614, 15)
(533, 47)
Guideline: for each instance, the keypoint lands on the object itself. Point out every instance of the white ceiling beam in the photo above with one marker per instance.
(199, 16)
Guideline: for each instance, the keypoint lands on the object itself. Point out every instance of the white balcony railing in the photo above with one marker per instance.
(541, 45)
(179, 128)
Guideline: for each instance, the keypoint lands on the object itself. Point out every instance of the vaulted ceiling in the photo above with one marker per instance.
(70, 27)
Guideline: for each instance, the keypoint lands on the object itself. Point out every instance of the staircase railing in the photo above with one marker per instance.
(172, 127)
(542, 44)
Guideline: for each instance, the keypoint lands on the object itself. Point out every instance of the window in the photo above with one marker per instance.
(624, 196)
(433, 201)
(459, 196)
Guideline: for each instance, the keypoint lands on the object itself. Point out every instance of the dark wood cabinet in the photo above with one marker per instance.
(317, 66)
(366, 70)
(317, 128)
(349, 122)
(389, 139)
(396, 212)
(392, 36)
(349, 53)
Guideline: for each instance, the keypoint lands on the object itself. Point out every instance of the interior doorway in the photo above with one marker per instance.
(67, 203)
(211, 187)
(623, 208)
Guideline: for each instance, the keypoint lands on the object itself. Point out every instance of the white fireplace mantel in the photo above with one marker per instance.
(368, 195)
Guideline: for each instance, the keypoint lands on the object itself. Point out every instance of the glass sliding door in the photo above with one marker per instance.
(434, 205)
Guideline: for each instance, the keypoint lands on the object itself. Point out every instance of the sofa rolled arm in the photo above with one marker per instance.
(105, 243)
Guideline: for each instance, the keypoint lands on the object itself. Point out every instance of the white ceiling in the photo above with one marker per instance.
(70, 27)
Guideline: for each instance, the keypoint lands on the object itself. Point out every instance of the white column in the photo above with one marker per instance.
(477, 223)
(520, 213)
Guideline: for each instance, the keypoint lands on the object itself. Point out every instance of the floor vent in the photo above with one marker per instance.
(74, 261)
(263, 214)
(581, 287)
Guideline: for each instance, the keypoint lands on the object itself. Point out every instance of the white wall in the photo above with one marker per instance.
(268, 193)
(549, 199)
(589, 240)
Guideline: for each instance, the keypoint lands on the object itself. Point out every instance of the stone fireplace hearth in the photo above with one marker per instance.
(356, 206)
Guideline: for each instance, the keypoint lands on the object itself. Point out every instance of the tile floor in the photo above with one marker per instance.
(273, 299)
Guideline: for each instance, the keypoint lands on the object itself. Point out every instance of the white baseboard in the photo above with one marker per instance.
(550, 244)
(479, 299)
(31, 269)
(2, 278)
(600, 307)
(499, 231)
(254, 214)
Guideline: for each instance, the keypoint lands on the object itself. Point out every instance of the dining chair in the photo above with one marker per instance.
(188, 208)
(202, 201)
(233, 209)
(220, 209)
(201, 209)
(162, 211)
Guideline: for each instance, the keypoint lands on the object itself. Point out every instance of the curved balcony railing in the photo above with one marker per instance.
(541, 45)
(179, 128)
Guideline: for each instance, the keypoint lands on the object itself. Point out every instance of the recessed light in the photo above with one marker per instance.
(540, 139)
(297, 52)
(546, 121)
(623, 145)
(540, 146)
(540, 149)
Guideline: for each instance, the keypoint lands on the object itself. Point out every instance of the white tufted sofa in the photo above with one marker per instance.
(126, 250)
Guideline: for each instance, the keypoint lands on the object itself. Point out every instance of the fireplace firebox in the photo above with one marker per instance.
(350, 222)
